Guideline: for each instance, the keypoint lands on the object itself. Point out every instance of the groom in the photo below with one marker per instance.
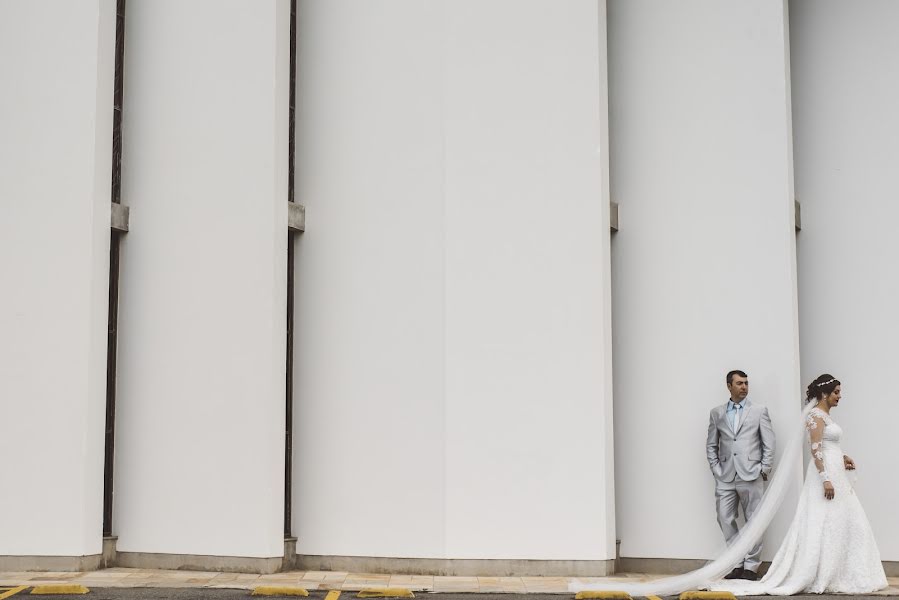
(740, 449)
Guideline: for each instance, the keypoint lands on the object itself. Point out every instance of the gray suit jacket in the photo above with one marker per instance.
(746, 452)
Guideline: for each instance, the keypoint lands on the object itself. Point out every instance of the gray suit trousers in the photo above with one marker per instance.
(727, 497)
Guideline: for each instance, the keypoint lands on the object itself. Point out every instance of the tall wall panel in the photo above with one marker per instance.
(369, 325)
(56, 70)
(704, 276)
(528, 347)
(847, 146)
(201, 396)
(453, 364)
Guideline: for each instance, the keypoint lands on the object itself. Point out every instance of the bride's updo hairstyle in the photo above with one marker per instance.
(821, 386)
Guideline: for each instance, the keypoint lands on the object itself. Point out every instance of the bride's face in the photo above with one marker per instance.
(833, 399)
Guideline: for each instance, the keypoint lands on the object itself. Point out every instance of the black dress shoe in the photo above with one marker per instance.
(750, 575)
(735, 574)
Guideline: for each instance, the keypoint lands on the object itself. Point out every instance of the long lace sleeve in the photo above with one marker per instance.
(814, 424)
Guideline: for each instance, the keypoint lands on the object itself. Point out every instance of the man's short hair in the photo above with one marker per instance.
(730, 375)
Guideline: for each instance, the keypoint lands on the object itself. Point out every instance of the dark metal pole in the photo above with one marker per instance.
(114, 243)
(291, 188)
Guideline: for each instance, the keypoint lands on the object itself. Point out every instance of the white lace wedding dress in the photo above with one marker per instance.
(829, 547)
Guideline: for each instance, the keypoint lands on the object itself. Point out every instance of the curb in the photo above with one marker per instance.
(46, 590)
(707, 596)
(385, 593)
(272, 590)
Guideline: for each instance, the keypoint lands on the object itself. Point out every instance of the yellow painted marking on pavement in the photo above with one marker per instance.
(7, 592)
(385, 593)
(333, 595)
(707, 596)
(606, 595)
(44, 590)
(653, 598)
(273, 590)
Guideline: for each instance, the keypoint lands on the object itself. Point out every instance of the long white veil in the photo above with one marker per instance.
(749, 535)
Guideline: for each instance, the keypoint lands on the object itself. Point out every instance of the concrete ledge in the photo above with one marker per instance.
(660, 566)
(296, 217)
(457, 566)
(891, 567)
(120, 217)
(198, 562)
(50, 563)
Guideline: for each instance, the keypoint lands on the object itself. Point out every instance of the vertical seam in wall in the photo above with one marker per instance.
(442, 22)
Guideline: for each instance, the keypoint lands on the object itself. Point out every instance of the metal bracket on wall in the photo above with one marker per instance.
(613, 216)
(120, 217)
(798, 208)
(296, 217)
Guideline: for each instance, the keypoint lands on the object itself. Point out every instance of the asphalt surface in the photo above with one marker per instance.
(229, 594)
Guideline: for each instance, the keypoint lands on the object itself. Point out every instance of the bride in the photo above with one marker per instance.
(829, 547)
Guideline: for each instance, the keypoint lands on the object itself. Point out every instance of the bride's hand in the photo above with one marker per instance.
(828, 490)
(848, 463)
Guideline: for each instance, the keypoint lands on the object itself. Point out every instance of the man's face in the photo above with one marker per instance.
(738, 388)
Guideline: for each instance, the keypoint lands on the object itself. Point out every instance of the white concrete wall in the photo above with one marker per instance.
(528, 343)
(56, 67)
(369, 325)
(845, 81)
(452, 357)
(703, 266)
(453, 378)
(200, 427)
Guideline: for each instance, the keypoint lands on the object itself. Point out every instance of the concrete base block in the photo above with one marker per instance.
(289, 562)
(470, 567)
(109, 552)
(661, 566)
(195, 562)
(50, 563)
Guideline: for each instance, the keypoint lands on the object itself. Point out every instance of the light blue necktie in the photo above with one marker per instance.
(736, 412)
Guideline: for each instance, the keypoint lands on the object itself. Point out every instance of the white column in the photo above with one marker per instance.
(452, 325)
(704, 262)
(200, 429)
(56, 69)
(528, 348)
(369, 321)
(845, 80)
